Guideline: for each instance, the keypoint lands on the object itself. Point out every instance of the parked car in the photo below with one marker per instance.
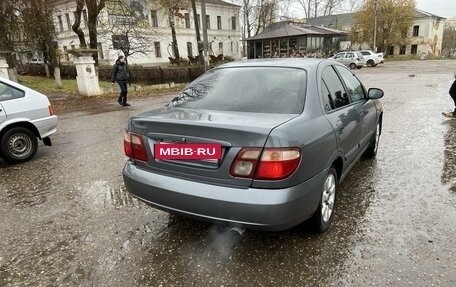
(36, 61)
(372, 59)
(351, 59)
(289, 131)
(25, 117)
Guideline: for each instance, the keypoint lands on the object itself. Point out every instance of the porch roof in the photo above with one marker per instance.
(290, 29)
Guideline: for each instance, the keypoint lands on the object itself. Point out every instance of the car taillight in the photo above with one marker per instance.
(278, 163)
(51, 110)
(134, 146)
(274, 163)
(245, 163)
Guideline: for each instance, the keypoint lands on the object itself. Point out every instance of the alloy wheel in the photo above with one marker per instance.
(328, 197)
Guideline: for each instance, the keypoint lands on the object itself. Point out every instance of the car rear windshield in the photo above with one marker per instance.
(246, 89)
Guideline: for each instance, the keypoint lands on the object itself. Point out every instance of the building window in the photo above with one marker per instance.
(208, 22)
(199, 21)
(402, 50)
(219, 22)
(233, 23)
(189, 49)
(65, 53)
(187, 20)
(231, 47)
(84, 17)
(220, 47)
(67, 16)
(416, 31)
(414, 49)
(157, 49)
(391, 50)
(59, 18)
(100, 51)
(153, 18)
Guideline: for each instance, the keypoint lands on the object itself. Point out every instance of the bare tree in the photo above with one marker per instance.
(128, 28)
(77, 23)
(172, 8)
(94, 8)
(38, 29)
(315, 8)
(9, 28)
(258, 14)
(449, 38)
(198, 36)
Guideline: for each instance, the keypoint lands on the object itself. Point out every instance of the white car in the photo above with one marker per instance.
(36, 61)
(372, 59)
(25, 117)
(351, 59)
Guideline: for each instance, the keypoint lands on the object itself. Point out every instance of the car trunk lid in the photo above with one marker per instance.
(232, 130)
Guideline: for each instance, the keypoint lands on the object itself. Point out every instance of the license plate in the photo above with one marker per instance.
(172, 151)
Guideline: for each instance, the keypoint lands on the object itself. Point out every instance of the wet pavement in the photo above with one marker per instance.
(66, 219)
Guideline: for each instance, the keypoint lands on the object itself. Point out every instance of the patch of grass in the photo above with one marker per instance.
(413, 57)
(47, 86)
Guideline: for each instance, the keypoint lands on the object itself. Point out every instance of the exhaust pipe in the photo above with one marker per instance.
(237, 230)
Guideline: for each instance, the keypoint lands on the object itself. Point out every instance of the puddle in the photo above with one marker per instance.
(100, 194)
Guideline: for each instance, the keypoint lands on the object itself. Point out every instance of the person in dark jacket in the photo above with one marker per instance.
(453, 94)
(121, 75)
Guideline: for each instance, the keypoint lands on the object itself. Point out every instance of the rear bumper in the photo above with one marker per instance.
(46, 126)
(263, 209)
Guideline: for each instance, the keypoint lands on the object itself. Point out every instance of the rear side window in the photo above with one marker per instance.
(246, 89)
(333, 91)
(9, 93)
(365, 53)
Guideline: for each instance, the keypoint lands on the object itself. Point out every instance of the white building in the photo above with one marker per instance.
(222, 18)
(424, 37)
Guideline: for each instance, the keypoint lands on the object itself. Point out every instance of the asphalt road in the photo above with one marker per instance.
(66, 219)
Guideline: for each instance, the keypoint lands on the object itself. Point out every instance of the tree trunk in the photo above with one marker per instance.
(198, 36)
(173, 33)
(58, 81)
(93, 9)
(12, 73)
(77, 23)
(46, 68)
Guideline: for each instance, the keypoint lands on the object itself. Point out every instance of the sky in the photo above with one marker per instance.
(443, 8)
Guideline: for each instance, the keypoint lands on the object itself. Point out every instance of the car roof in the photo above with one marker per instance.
(302, 63)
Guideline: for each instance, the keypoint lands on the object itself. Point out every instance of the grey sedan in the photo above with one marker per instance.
(260, 144)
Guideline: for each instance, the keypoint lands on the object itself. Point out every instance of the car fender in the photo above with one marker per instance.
(336, 157)
(17, 122)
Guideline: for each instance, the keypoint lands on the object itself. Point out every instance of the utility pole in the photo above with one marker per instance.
(375, 26)
(204, 24)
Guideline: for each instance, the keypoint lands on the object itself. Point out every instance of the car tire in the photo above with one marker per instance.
(323, 215)
(352, 66)
(371, 151)
(370, 63)
(18, 145)
(359, 67)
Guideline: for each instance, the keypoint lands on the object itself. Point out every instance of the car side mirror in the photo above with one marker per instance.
(375, 93)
